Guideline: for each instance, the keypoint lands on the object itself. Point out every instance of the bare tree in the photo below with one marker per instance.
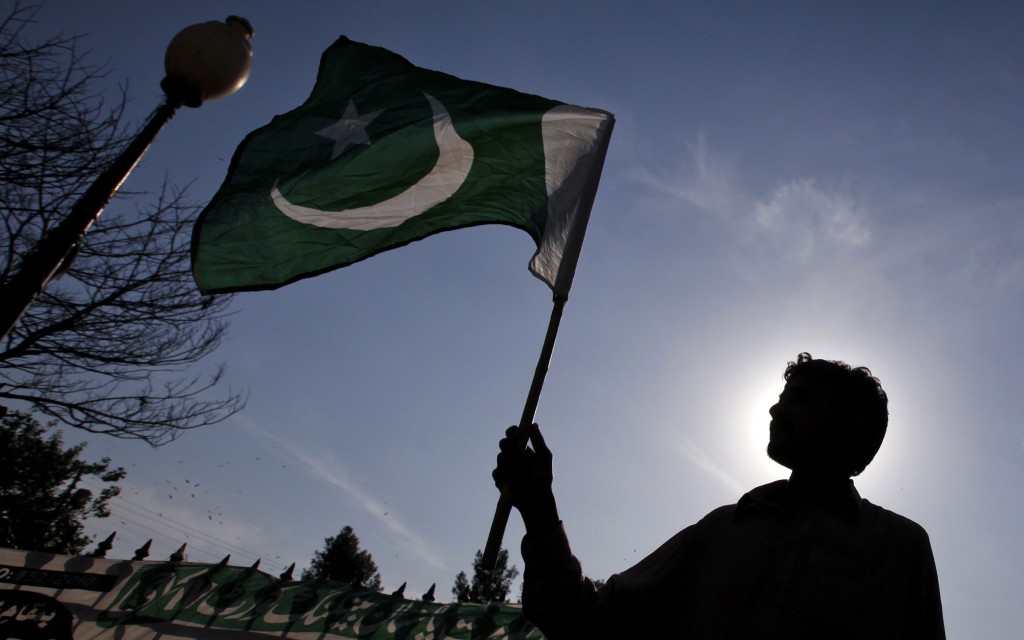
(105, 347)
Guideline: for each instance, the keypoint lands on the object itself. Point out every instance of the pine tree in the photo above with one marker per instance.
(487, 586)
(343, 560)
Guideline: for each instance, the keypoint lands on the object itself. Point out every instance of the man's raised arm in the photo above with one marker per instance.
(557, 597)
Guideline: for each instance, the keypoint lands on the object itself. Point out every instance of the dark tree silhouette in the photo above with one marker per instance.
(487, 586)
(42, 502)
(343, 560)
(104, 346)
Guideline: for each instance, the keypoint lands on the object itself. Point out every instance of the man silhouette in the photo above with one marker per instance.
(800, 558)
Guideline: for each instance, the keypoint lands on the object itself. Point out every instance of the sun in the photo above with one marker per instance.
(743, 403)
(754, 425)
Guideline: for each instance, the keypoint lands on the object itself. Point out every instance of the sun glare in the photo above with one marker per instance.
(754, 422)
(755, 388)
(761, 389)
(736, 405)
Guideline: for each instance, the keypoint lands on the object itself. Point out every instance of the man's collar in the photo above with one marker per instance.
(778, 495)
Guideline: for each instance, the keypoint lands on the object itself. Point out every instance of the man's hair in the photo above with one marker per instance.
(857, 394)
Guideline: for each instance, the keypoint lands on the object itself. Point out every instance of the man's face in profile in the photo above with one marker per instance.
(802, 430)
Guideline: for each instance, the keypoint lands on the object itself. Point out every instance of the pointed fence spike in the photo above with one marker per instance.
(287, 575)
(104, 546)
(400, 591)
(255, 565)
(429, 595)
(143, 552)
(179, 555)
(224, 562)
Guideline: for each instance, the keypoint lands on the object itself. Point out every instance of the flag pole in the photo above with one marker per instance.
(504, 507)
(560, 286)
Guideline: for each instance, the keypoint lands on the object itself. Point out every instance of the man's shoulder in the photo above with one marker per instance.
(725, 513)
(892, 521)
(770, 494)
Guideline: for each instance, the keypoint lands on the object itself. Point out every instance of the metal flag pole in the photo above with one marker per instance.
(504, 508)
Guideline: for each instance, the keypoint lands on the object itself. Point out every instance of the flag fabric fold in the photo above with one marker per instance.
(384, 153)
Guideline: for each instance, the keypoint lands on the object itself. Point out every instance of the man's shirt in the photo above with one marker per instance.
(767, 567)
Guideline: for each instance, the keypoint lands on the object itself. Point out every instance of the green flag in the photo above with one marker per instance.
(384, 153)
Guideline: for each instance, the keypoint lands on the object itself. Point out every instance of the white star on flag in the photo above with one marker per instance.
(350, 130)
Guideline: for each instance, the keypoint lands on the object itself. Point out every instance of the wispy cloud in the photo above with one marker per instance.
(799, 218)
(321, 467)
(807, 220)
(700, 458)
(705, 181)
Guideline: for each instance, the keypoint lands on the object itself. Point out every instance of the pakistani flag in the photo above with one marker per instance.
(384, 153)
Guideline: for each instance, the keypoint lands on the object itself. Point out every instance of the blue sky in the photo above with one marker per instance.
(838, 178)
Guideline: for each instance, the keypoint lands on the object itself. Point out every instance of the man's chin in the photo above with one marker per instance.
(779, 455)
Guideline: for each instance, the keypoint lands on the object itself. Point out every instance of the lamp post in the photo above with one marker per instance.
(203, 62)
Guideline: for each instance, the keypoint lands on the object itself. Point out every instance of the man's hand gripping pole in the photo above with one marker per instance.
(504, 508)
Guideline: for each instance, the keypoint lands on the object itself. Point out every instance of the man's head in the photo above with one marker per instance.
(830, 418)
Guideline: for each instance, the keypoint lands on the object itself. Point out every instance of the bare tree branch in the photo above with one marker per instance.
(109, 346)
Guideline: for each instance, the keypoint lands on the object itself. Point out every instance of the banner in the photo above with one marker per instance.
(44, 596)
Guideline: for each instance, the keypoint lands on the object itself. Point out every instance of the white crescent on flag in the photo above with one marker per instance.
(454, 160)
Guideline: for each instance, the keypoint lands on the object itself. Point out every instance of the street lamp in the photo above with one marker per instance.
(205, 61)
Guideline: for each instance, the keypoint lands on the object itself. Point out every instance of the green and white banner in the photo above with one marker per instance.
(52, 597)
